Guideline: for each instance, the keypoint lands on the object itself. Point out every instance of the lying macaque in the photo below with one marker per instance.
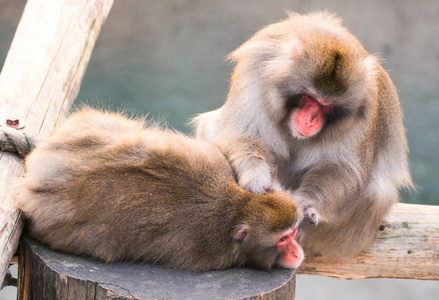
(108, 187)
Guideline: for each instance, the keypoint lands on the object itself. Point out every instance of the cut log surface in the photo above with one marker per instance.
(407, 246)
(47, 274)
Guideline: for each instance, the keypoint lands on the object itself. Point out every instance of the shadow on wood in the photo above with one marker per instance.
(47, 274)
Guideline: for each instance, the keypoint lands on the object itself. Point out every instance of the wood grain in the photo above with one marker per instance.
(407, 246)
(48, 274)
(38, 83)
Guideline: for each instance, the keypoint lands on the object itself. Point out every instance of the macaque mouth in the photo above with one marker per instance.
(309, 117)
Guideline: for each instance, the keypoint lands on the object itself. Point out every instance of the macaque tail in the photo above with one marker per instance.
(13, 140)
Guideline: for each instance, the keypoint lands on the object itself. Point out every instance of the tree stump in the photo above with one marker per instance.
(47, 274)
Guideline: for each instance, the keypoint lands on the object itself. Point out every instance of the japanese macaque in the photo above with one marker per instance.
(107, 187)
(311, 111)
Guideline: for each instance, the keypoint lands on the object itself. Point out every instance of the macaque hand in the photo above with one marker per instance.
(260, 185)
(257, 185)
(308, 209)
(312, 215)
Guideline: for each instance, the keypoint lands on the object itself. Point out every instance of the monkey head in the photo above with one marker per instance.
(268, 235)
(313, 79)
(333, 89)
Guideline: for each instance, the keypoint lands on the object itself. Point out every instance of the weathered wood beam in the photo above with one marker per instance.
(407, 246)
(38, 83)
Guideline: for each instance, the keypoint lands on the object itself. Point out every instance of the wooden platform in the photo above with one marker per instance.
(47, 274)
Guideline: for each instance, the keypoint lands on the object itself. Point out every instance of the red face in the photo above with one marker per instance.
(309, 118)
(291, 252)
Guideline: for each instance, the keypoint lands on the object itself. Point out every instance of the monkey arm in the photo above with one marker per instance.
(324, 192)
(251, 163)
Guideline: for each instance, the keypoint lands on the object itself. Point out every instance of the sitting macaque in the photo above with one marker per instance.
(311, 111)
(108, 187)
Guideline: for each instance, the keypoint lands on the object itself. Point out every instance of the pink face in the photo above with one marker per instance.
(291, 252)
(309, 118)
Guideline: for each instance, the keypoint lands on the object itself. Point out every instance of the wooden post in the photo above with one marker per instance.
(39, 81)
(47, 274)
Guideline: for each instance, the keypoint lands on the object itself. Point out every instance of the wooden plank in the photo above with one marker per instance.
(407, 246)
(38, 83)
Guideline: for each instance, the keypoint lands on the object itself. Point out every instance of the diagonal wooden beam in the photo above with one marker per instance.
(38, 83)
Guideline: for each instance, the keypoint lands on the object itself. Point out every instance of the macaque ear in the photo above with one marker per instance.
(241, 232)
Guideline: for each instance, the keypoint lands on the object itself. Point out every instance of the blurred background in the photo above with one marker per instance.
(167, 59)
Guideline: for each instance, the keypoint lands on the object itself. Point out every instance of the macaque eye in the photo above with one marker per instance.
(283, 241)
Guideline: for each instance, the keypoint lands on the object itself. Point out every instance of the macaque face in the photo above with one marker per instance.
(274, 250)
(309, 118)
(291, 254)
(310, 85)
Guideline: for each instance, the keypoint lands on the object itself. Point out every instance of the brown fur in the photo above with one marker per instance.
(105, 186)
(347, 175)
